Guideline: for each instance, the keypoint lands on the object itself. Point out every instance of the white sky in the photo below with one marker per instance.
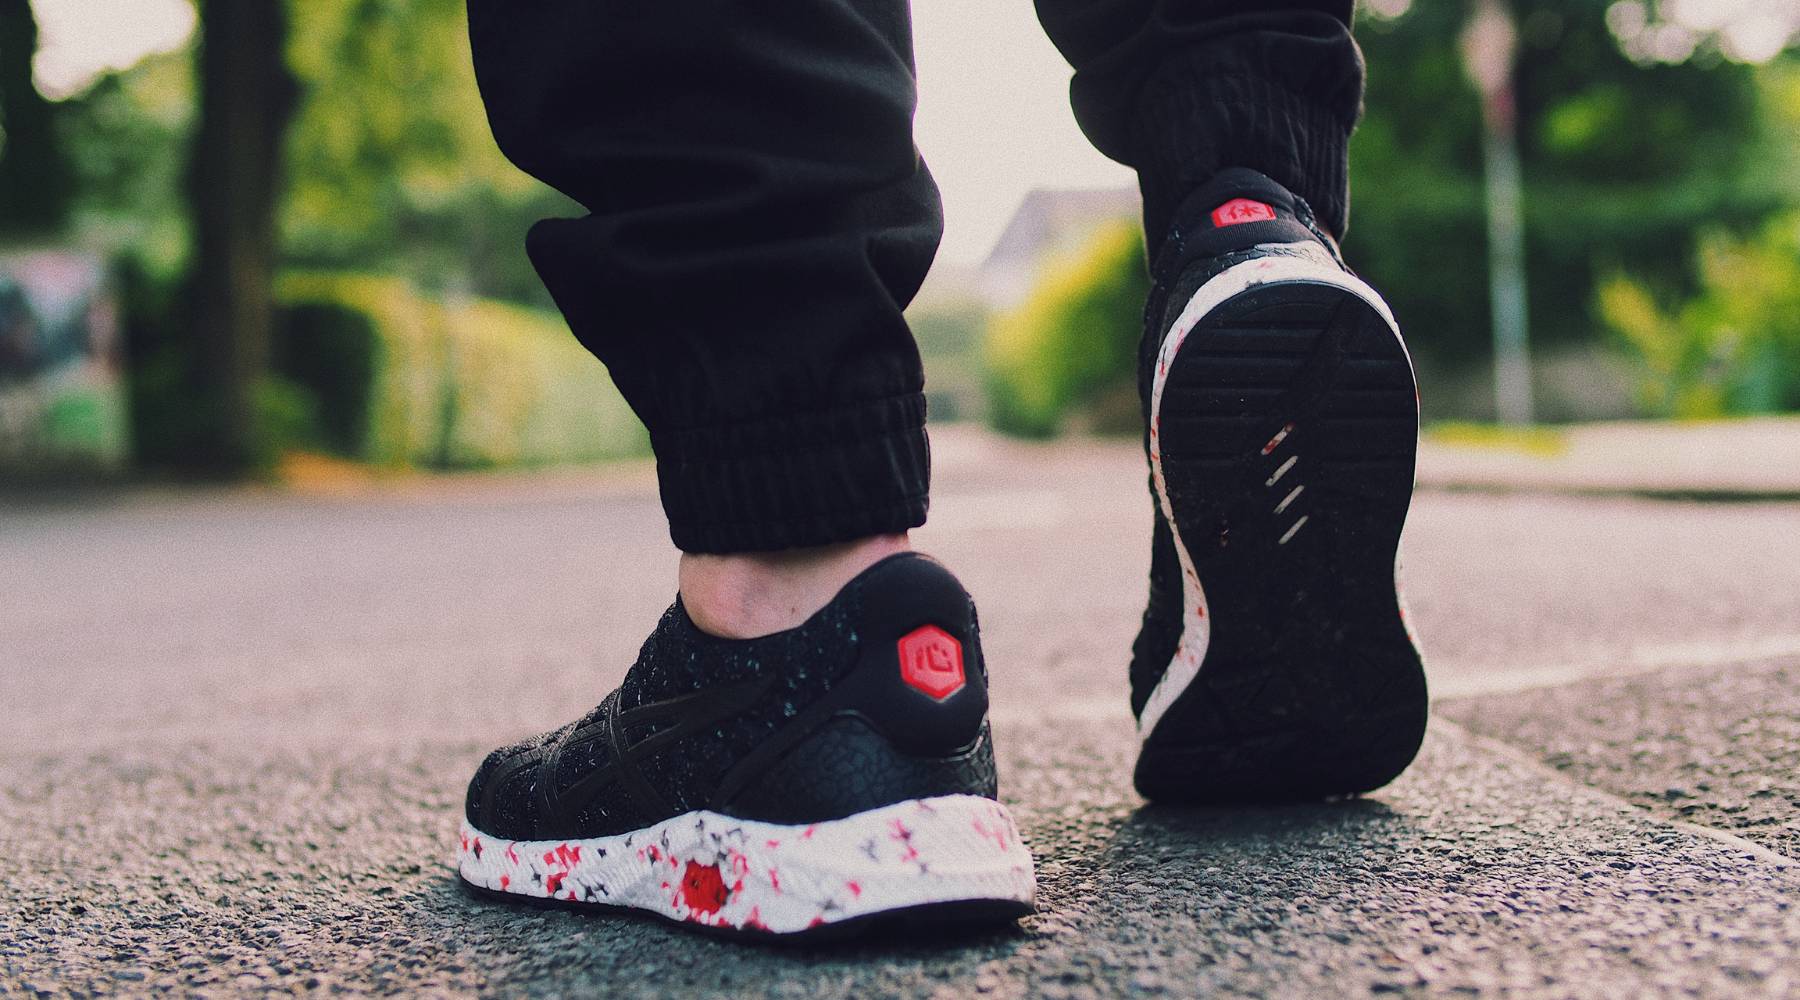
(993, 120)
(80, 39)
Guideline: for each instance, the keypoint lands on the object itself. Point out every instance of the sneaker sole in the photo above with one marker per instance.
(1284, 432)
(955, 857)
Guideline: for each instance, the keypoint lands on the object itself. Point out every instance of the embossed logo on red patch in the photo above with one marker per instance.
(931, 661)
(1238, 211)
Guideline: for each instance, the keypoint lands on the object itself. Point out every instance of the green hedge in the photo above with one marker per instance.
(1070, 350)
(1732, 349)
(399, 378)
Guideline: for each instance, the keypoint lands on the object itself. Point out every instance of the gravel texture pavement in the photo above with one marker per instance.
(247, 868)
(235, 727)
(1718, 747)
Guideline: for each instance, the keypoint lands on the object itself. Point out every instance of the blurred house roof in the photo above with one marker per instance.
(1047, 222)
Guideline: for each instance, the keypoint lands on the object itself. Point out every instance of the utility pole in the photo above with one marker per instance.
(1490, 45)
(36, 183)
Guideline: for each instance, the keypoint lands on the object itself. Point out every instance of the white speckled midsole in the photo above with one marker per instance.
(711, 869)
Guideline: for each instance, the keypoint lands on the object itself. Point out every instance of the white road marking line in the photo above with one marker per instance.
(1476, 680)
(1446, 684)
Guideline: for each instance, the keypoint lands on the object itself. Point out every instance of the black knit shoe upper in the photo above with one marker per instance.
(1282, 423)
(879, 697)
(1240, 215)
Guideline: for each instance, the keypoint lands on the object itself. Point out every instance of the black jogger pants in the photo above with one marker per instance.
(759, 216)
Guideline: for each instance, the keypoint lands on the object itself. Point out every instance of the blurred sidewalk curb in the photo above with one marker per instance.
(1745, 460)
(1749, 459)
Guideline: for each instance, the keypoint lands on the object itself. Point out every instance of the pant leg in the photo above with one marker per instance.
(1181, 89)
(758, 218)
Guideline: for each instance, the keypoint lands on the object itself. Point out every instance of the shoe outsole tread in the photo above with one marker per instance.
(1311, 685)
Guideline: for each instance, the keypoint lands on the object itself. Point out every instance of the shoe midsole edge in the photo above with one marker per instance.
(708, 868)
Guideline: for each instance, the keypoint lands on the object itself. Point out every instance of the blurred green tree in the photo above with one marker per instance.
(1623, 162)
(384, 165)
(388, 163)
(393, 166)
(127, 138)
(1625, 159)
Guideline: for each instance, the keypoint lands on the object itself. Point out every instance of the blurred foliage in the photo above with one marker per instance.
(1073, 343)
(463, 383)
(126, 137)
(390, 162)
(1732, 348)
(389, 171)
(331, 349)
(368, 367)
(1622, 163)
(71, 426)
(949, 335)
(172, 417)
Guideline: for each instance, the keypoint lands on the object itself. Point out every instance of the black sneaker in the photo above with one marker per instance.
(801, 782)
(1275, 661)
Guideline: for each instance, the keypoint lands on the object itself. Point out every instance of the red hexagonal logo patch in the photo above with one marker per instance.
(931, 661)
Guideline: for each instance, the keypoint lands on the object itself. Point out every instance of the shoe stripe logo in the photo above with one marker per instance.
(692, 712)
(1291, 532)
(1275, 442)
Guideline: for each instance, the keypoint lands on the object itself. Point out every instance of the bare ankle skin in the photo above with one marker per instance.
(758, 593)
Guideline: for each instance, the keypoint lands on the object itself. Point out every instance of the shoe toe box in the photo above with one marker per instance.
(504, 796)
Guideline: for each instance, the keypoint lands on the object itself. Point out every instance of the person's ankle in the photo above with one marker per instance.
(758, 593)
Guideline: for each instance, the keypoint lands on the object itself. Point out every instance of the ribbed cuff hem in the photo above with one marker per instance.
(1194, 120)
(799, 480)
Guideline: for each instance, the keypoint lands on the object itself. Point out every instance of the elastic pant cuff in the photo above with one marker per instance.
(799, 480)
(1195, 119)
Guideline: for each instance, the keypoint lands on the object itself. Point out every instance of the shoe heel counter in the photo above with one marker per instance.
(908, 721)
(920, 680)
(846, 767)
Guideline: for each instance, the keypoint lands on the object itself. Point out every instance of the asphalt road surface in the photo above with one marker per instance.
(235, 727)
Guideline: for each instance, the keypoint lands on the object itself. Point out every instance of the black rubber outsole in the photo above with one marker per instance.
(1311, 686)
(926, 922)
